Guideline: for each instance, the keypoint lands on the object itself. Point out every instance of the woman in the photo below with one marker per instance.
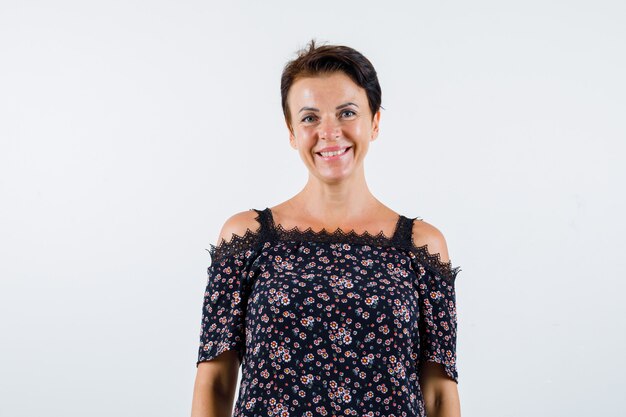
(332, 303)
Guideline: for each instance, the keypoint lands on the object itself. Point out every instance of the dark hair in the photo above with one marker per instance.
(325, 59)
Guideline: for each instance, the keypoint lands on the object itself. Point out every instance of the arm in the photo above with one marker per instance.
(215, 385)
(441, 396)
(216, 379)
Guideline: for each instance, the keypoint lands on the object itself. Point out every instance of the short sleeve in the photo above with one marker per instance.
(438, 319)
(225, 302)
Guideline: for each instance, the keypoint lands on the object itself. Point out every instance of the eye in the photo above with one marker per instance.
(308, 118)
(348, 113)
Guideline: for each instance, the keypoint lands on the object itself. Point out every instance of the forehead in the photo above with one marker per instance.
(336, 86)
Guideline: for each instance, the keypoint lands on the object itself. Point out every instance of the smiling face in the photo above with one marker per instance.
(331, 112)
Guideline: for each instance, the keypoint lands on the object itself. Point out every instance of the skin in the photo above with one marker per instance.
(336, 195)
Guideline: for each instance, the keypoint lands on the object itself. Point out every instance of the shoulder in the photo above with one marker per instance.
(238, 224)
(425, 234)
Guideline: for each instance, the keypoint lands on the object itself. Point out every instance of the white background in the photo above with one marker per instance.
(131, 130)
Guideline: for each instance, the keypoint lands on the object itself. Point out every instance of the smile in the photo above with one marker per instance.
(333, 155)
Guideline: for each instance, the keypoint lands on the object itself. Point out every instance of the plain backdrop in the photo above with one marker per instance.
(131, 130)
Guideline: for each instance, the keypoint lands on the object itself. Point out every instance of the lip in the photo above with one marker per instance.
(333, 148)
(331, 158)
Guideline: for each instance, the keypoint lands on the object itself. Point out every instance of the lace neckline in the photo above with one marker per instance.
(338, 235)
(270, 231)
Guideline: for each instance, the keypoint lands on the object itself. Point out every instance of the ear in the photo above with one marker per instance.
(292, 137)
(375, 125)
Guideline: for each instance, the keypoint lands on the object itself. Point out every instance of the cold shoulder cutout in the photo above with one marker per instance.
(243, 231)
(402, 237)
(329, 322)
(428, 244)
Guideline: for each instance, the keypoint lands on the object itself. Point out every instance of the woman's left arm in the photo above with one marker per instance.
(438, 380)
(441, 396)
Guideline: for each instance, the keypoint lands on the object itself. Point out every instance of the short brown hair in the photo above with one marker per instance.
(325, 59)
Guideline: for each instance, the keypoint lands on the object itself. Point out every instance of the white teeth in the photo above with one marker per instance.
(327, 154)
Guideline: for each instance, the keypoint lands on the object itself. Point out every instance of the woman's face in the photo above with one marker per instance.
(331, 111)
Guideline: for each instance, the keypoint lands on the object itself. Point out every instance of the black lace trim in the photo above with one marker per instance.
(236, 244)
(379, 239)
(433, 261)
(269, 231)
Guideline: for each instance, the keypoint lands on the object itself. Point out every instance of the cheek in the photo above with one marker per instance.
(306, 136)
(306, 140)
(356, 129)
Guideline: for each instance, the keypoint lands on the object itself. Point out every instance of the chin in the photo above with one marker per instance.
(333, 176)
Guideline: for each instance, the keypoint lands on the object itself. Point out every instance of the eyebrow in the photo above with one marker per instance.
(336, 108)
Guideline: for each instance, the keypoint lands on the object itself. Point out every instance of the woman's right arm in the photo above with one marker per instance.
(214, 389)
(216, 379)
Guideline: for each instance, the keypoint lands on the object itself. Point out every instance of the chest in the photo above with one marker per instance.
(341, 292)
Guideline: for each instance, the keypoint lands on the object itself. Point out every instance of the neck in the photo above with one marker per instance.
(338, 202)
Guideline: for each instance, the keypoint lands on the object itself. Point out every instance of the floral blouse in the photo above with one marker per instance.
(329, 323)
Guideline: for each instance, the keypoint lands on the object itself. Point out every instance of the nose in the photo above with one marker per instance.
(329, 129)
